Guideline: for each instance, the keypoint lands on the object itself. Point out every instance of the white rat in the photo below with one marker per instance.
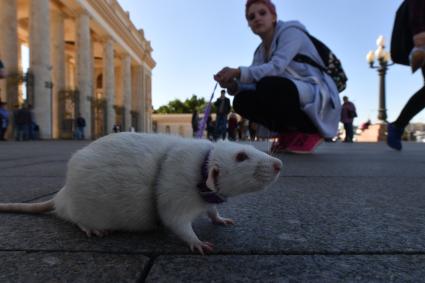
(132, 182)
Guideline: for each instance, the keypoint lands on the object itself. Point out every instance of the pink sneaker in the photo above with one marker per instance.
(283, 141)
(304, 143)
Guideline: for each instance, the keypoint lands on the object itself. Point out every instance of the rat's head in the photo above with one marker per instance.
(235, 169)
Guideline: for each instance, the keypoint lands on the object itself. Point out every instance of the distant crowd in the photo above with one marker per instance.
(24, 124)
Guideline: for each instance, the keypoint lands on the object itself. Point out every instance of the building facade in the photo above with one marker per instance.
(174, 124)
(85, 57)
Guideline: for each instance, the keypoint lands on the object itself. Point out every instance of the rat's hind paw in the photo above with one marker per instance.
(90, 232)
(201, 247)
(222, 221)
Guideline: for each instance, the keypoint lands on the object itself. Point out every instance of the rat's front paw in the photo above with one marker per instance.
(201, 247)
(222, 221)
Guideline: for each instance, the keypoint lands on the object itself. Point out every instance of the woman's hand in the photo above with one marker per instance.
(419, 39)
(227, 75)
(226, 78)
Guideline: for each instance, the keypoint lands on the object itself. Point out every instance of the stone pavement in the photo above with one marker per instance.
(349, 212)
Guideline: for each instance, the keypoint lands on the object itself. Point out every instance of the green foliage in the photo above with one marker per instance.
(176, 106)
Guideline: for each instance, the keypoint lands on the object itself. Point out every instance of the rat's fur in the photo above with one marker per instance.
(132, 181)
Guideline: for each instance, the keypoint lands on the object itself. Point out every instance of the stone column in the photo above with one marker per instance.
(84, 70)
(126, 87)
(59, 65)
(40, 65)
(135, 98)
(9, 51)
(140, 94)
(148, 100)
(109, 83)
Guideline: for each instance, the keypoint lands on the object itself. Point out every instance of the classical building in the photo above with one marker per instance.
(175, 124)
(85, 56)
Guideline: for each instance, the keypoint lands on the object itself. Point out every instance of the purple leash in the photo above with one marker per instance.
(207, 111)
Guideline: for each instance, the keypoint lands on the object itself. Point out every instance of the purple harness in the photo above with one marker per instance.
(206, 193)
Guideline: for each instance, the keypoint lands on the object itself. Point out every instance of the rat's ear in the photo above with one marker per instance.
(212, 177)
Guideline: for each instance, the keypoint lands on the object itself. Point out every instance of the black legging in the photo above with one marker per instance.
(415, 105)
(274, 104)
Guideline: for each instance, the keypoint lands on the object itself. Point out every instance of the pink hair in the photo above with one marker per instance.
(268, 3)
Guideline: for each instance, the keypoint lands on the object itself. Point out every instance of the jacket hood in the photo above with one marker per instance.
(281, 25)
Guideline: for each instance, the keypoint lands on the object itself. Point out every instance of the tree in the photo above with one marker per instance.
(187, 106)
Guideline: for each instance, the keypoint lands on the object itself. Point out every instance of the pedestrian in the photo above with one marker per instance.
(298, 100)
(252, 130)
(4, 120)
(210, 128)
(2, 71)
(22, 120)
(116, 128)
(80, 124)
(232, 126)
(414, 28)
(33, 128)
(348, 113)
(195, 122)
(223, 106)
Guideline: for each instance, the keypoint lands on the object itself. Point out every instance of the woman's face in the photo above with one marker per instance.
(260, 19)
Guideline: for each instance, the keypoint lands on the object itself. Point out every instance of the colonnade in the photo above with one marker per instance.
(94, 65)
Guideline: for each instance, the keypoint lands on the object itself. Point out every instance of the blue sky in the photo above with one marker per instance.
(193, 39)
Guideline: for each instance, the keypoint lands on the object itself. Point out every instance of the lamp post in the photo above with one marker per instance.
(382, 57)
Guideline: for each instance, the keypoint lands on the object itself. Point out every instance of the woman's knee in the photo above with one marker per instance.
(276, 83)
(241, 103)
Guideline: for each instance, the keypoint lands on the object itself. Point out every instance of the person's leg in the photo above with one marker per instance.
(16, 132)
(413, 106)
(31, 135)
(224, 128)
(218, 128)
(346, 132)
(275, 104)
(19, 133)
(350, 132)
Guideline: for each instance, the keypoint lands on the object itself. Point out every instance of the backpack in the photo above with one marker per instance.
(332, 67)
(352, 114)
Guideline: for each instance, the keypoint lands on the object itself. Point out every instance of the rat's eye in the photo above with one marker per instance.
(241, 156)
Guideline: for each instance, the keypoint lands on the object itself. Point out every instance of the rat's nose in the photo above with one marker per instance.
(277, 166)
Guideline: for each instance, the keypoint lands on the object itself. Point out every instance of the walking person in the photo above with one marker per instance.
(348, 113)
(80, 124)
(232, 126)
(195, 122)
(2, 71)
(33, 128)
(223, 106)
(4, 120)
(252, 130)
(116, 128)
(22, 119)
(298, 100)
(210, 128)
(414, 28)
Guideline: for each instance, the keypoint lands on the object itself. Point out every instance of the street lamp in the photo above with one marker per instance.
(382, 57)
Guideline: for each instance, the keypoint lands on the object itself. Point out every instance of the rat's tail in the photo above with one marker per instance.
(39, 207)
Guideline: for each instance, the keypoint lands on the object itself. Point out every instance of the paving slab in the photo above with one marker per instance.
(70, 267)
(291, 268)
